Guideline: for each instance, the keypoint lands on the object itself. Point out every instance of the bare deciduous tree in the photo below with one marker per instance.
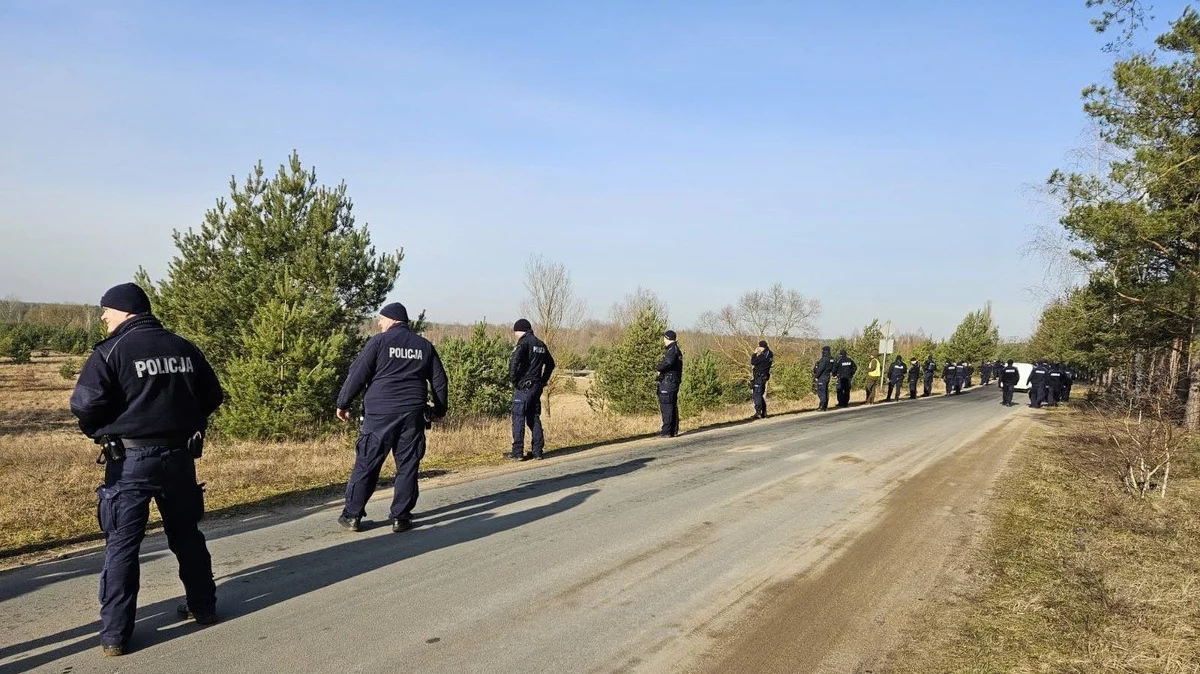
(776, 312)
(624, 312)
(552, 304)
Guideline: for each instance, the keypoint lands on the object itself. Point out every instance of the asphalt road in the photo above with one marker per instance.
(628, 558)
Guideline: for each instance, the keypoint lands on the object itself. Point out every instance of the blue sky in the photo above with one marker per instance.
(875, 155)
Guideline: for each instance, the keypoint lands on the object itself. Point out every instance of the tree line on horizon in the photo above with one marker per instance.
(278, 287)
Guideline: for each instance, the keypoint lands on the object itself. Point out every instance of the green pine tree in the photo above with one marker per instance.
(625, 374)
(702, 388)
(975, 339)
(478, 369)
(273, 288)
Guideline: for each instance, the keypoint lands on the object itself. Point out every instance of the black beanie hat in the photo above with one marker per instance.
(395, 311)
(763, 343)
(127, 297)
(522, 325)
(669, 334)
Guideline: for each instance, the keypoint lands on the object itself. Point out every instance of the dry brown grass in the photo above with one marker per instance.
(1076, 574)
(48, 476)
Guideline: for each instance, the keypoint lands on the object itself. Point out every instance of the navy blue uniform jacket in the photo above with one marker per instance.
(144, 381)
(396, 367)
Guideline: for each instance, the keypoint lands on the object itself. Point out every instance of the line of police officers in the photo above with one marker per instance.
(145, 395)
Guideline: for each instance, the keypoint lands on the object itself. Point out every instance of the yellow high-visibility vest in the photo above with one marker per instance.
(876, 369)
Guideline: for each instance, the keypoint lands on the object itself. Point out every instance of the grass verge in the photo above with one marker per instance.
(1075, 574)
(48, 476)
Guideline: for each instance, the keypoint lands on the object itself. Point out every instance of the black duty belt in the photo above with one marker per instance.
(172, 442)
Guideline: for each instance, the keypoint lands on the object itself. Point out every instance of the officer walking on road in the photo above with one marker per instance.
(1008, 382)
(1037, 385)
(846, 367)
(670, 376)
(985, 373)
(529, 370)
(914, 375)
(145, 395)
(930, 373)
(760, 363)
(1053, 384)
(399, 369)
(896, 377)
(822, 371)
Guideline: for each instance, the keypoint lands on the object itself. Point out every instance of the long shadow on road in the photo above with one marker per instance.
(258, 587)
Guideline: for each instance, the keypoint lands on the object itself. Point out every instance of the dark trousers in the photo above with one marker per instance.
(167, 475)
(949, 386)
(401, 434)
(928, 385)
(823, 393)
(668, 404)
(759, 390)
(843, 392)
(1066, 393)
(958, 385)
(527, 411)
(896, 387)
(1008, 393)
(1037, 394)
(912, 388)
(1052, 395)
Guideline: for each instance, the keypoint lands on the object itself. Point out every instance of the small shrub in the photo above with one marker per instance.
(69, 369)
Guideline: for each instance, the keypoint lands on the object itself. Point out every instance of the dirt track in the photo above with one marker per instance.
(847, 616)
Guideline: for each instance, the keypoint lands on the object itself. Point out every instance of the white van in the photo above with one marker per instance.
(1023, 372)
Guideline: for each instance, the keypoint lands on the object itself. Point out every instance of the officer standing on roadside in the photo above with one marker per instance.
(822, 371)
(399, 369)
(1008, 382)
(529, 370)
(670, 376)
(1067, 381)
(145, 395)
(845, 369)
(896, 377)
(930, 373)
(914, 376)
(760, 363)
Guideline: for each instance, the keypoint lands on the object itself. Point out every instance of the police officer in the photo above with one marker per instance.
(1037, 385)
(985, 373)
(960, 376)
(896, 377)
(968, 374)
(930, 373)
(760, 363)
(845, 369)
(914, 375)
(1053, 384)
(398, 368)
(145, 394)
(949, 376)
(529, 370)
(1068, 380)
(1008, 382)
(822, 371)
(670, 376)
